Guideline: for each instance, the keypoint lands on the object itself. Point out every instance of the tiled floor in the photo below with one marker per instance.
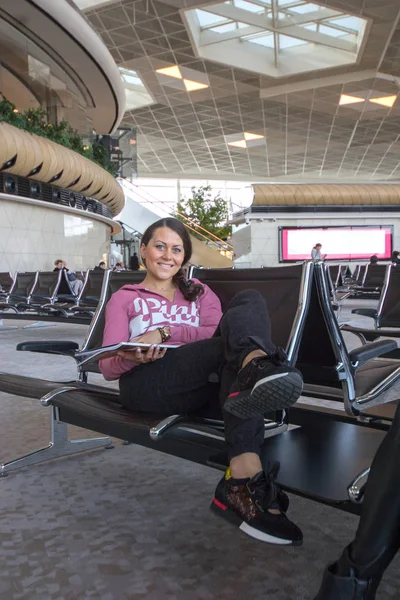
(132, 523)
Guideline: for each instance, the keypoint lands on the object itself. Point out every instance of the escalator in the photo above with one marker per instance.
(208, 253)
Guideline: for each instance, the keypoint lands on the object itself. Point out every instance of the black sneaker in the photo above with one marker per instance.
(247, 506)
(264, 385)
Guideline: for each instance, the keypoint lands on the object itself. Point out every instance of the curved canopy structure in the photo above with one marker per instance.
(325, 195)
(59, 48)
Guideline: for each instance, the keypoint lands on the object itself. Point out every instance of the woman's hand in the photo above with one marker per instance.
(150, 337)
(139, 356)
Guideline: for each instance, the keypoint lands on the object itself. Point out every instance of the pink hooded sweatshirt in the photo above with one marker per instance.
(134, 310)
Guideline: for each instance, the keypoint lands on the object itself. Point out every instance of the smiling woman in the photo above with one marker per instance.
(254, 376)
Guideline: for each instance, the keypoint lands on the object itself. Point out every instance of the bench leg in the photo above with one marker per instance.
(59, 446)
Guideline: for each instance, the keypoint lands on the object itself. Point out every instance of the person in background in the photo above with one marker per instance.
(395, 258)
(100, 266)
(76, 285)
(316, 253)
(134, 264)
(119, 267)
(373, 260)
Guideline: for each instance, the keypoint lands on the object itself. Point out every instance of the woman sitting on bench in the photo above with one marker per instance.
(254, 377)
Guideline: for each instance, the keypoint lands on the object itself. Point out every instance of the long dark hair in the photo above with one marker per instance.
(189, 289)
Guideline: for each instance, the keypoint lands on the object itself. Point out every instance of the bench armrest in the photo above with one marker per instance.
(50, 347)
(365, 353)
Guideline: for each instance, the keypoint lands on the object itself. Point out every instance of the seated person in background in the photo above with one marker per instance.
(395, 258)
(100, 267)
(373, 260)
(254, 377)
(75, 284)
(357, 573)
(119, 267)
(316, 253)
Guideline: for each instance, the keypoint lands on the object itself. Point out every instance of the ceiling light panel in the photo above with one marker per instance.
(239, 144)
(252, 136)
(346, 99)
(171, 72)
(192, 86)
(384, 101)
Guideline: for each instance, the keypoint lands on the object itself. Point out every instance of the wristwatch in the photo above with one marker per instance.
(165, 333)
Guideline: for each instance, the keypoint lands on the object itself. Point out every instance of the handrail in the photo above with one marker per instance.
(139, 192)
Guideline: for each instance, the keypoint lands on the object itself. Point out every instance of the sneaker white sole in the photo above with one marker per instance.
(275, 392)
(263, 537)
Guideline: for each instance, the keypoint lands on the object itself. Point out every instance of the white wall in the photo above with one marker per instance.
(257, 244)
(32, 238)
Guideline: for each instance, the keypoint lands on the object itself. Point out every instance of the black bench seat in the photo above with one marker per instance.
(319, 459)
(33, 387)
(314, 458)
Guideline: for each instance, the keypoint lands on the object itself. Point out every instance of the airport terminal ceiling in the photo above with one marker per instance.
(278, 90)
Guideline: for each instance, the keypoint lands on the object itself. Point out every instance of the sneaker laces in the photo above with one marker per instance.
(264, 489)
(279, 357)
(248, 374)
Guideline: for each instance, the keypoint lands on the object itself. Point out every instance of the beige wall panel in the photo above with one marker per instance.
(68, 169)
(86, 176)
(8, 141)
(47, 157)
(57, 160)
(76, 166)
(325, 194)
(95, 185)
(28, 152)
(22, 163)
(107, 187)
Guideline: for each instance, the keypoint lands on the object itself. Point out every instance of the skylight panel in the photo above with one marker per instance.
(131, 77)
(286, 3)
(265, 40)
(293, 24)
(349, 22)
(224, 28)
(249, 6)
(288, 42)
(206, 18)
(332, 32)
(302, 9)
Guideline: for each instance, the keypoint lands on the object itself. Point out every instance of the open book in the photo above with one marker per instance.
(86, 356)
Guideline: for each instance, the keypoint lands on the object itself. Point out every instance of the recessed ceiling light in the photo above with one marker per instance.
(191, 86)
(171, 72)
(252, 136)
(345, 99)
(384, 100)
(239, 144)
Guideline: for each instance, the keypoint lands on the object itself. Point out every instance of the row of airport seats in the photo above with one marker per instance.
(365, 282)
(386, 316)
(325, 458)
(47, 295)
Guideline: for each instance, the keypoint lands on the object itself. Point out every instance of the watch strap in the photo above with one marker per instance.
(165, 333)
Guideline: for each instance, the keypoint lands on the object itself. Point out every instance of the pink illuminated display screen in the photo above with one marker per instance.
(338, 243)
